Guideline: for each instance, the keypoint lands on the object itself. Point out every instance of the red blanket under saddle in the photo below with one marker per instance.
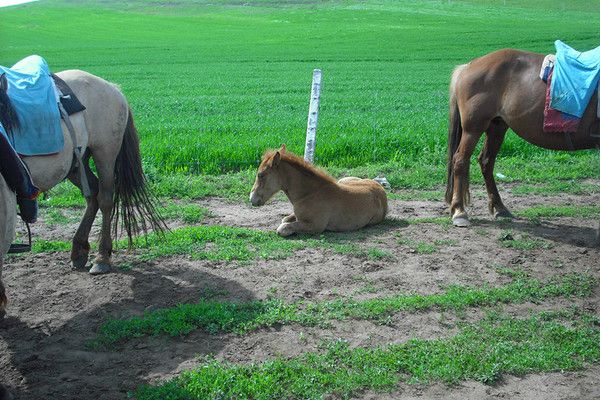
(557, 121)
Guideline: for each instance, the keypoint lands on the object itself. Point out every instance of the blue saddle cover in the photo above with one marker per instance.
(31, 91)
(575, 78)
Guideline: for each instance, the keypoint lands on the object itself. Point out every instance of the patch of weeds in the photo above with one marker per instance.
(189, 213)
(482, 351)
(522, 242)
(218, 243)
(556, 187)
(511, 272)
(227, 316)
(125, 266)
(375, 253)
(538, 212)
(445, 242)
(46, 246)
(54, 216)
(62, 195)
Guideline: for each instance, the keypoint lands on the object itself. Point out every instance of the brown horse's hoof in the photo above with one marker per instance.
(100, 268)
(462, 221)
(80, 262)
(503, 214)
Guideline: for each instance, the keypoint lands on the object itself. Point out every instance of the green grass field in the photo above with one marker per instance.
(213, 84)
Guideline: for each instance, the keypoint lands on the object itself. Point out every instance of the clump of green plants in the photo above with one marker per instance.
(522, 242)
(215, 317)
(482, 351)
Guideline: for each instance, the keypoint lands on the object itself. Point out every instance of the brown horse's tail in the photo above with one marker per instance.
(454, 134)
(133, 203)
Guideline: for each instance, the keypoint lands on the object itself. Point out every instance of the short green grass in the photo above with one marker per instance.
(227, 316)
(483, 351)
(214, 84)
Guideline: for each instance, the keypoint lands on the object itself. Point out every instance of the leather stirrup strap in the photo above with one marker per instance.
(85, 186)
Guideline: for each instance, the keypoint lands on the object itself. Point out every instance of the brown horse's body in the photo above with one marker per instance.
(320, 202)
(492, 93)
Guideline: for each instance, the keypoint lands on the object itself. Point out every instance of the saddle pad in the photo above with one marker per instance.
(68, 99)
(554, 120)
(575, 78)
(31, 91)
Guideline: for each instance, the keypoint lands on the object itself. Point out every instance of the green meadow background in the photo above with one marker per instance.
(212, 84)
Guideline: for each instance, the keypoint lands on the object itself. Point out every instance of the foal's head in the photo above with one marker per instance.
(267, 181)
(8, 115)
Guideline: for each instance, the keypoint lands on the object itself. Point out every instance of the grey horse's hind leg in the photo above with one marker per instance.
(102, 264)
(81, 246)
(598, 235)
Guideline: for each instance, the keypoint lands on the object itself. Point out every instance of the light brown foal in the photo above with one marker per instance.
(320, 202)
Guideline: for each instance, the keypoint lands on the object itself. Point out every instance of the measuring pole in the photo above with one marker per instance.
(313, 116)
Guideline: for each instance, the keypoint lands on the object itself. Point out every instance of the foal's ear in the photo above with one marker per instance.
(276, 159)
(3, 82)
(282, 149)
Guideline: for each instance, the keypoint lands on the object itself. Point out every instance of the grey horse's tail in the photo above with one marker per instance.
(134, 205)
(454, 136)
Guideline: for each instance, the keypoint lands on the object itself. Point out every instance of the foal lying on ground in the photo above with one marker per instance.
(320, 202)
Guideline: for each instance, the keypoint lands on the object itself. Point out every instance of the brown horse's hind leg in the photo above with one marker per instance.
(460, 165)
(81, 246)
(487, 158)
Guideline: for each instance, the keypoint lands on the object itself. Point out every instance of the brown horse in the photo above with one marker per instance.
(320, 202)
(492, 93)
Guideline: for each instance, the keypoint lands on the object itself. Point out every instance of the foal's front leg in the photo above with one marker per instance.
(289, 228)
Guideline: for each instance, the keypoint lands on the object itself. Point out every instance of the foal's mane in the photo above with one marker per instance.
(300, 164)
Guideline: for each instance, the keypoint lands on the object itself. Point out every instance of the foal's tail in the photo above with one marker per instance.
(133, 203)
(454, 134)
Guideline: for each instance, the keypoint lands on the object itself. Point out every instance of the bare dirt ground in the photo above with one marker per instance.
(54, 310)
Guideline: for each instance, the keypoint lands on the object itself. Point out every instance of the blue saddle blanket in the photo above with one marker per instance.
(31, 92)
(574, 79)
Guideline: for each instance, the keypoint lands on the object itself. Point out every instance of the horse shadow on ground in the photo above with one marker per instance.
(43, 362)
(573, 235)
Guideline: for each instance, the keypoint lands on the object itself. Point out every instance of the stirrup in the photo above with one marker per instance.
(16, 248)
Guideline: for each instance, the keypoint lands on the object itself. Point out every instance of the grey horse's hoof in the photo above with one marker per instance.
(503, 214)
(100, 268)
(79, 262)
(461, 221)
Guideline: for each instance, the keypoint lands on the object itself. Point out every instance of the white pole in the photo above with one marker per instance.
(313, 116)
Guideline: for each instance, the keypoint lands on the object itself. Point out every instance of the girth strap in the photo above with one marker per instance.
(85, 186)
